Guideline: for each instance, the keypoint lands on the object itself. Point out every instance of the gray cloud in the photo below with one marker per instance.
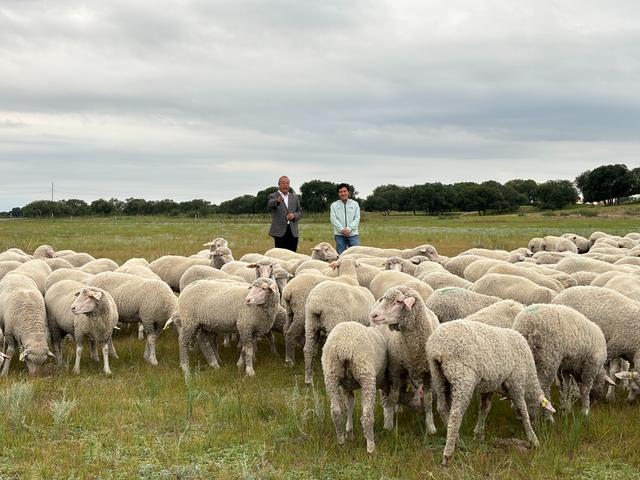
(211, 100)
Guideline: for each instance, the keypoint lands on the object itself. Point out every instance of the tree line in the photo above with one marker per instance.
(607, 184)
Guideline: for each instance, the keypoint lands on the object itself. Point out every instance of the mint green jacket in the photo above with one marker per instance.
(345, 214)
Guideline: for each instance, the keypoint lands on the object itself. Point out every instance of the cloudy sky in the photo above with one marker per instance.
(211, 99)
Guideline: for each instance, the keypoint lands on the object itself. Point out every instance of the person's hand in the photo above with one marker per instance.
(345, 232)
(290, 216)
(279, 199)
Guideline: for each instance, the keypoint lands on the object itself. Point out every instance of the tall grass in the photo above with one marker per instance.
(145, 422)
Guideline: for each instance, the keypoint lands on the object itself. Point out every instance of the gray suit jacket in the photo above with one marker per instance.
(279, 215)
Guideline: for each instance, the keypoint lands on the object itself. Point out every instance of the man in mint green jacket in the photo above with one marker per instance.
(345, 217)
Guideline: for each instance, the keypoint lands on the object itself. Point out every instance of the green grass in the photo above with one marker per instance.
(145, 422)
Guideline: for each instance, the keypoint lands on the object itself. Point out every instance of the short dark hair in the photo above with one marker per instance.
(343, 185)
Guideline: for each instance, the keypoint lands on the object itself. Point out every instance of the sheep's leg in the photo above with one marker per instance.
(460, 398)
(9, 353)
(187, 333)
(367, 418)
(388, 410)
(151, 344)
(94, 351)
(309, 353)
(204, 341)
(248, 358)
(79, 346)
(57, 351)
(428, 411)
(140, 331)
(587, 378)
(349, 401)
(614, 367)
(546, 378)
(105, 358)
(271, 338)
(335, 397)
(112, 350)
(485, 407)
(292, 338)
(517, 397)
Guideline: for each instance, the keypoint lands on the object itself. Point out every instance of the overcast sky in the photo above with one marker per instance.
(210, 99)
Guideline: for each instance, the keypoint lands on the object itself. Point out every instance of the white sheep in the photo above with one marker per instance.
(324, 252)
(355, 356)
(150, 302)
(425, 268)
(205, 272)
(8, 256)
(582, 244)
(452, 303)
(220, 256)
(499, 314)
(138, 270)
(552, 243)
(564, 341)
(444, 279)
(330, 303)
(23, 320)
(284, 254)
(37, 270)
(467, 357)
(402, 309)
(458, 264)
(626, 284)
(56, 263)
(582, 263)
(77, 259)
(425, 250)
(66, 274)
(391, 278)
(44, 251)
(213, 307)
(616, 315)
(99, 265)
(7, 266)
(512, 287)
(533, 274)
(584, 278)
(170, 268)
(84, 313)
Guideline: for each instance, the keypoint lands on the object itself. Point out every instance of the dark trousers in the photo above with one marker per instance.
(287, 241)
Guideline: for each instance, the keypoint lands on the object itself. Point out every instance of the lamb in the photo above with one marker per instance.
(500, 314)
(453, 303)
(99, 265)
(355, 356)
(444, 279)
(214, 307)
(402, 309)
(328, 304)
(582, 244)
(23, 320)
(150, 302)
(562, 340)
(465, 357)
(391, 278)
(205, 272)
(82, 312)
(37, 270)
(513, 287)
(616, 315)
(426, 250)
(66, 274)
(170, 268)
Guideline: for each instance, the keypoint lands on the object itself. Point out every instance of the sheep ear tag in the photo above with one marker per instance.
(546, 404)
(23, 355)
(409, 302)
(626, 375)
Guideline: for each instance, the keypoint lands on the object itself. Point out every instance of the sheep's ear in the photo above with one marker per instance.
(607, 379)
(208, 244)
(333, 265)
(96, 295)
(409, 302)
(252, 265)
(77, 293)
(274, 287)
(50, 353)
(626, 375)
(316, 248)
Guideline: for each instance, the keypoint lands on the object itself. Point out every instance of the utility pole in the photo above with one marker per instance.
(52, 190)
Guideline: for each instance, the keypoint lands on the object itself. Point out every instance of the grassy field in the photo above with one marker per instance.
(145, 422)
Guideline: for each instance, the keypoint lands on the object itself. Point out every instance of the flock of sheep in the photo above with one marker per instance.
(411, 324)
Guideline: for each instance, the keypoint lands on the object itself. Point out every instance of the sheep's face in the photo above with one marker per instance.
(35, 357)
(86, 301)
(634, 386)
(390, 307)
(430, 252)
(259, 290)
(221, 256)
(536, 245)
(264, 269)
(215, 243)
(325, 252)
(600, 386)
(394, 263)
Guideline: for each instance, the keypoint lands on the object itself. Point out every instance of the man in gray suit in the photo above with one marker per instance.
(285, 213)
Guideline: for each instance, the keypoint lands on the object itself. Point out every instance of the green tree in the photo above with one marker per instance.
(555, 194)
(317, 195)
(607, 183)
(527, 188)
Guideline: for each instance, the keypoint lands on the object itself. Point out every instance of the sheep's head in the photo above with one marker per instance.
(392, 307)
(215, 243)
(220, 256)
(430, 252)
(325, 252)
(394, 263)
(536, 245)
(86, 301)
(44, 251)
(418, 259)
(259, 291)
(35, 356)
(281, 276)
(634, 387)
(344, 262)
(263, 268)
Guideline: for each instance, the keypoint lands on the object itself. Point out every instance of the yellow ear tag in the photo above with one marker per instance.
(630, 377)
(544, 403)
